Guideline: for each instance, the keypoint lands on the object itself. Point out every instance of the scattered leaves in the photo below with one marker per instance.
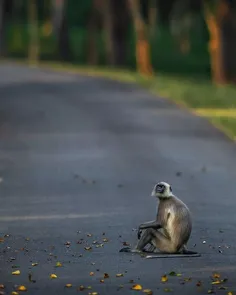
(137, 287)
(68, 285)
(164, 278)
(53, 276)
(16, 272)
(148, 291)
(58, 264)
(119, 275)
(21, 288)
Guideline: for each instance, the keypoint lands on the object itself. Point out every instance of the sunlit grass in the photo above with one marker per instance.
(218, 104)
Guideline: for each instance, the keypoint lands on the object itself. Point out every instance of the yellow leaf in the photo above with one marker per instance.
(216, 282)
(210, 291)
(106, 275)
(148, 291)
(105, 240)
(93, 293)
(137, 287)
(58, 264)
(22, 288)
(53, 276)
(91, 273)
(230, 293)
(1, 240)
(34, 264)
(16, 272)
(119, 275)
(167, 290)
(14, 293)
(164, 278)
(68, 285)
(216, 275)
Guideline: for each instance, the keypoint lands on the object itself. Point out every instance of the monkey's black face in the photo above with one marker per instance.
(160, 188)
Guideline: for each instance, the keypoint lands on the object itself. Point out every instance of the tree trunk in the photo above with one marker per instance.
(61, 31)
(108, 29)
(2, 28)
(217, 21)
(33, 50)
(142, 44)
(152, 17)
(121, 20)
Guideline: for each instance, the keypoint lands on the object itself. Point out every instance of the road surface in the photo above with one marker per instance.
(78, 159)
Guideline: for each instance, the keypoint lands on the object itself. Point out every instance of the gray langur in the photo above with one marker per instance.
(171, 230)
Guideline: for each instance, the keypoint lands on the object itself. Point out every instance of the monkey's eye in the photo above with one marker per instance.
(170, 189)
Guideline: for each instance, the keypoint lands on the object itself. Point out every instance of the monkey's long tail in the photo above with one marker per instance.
(184, 253)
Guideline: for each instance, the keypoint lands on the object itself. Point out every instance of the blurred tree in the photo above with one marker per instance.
(143, 61)
(152, 17)
(60, 28)
(2, 28)
(220, 19)
(33, 49)
(108, 29)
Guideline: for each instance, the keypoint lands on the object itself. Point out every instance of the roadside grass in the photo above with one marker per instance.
(216, 103)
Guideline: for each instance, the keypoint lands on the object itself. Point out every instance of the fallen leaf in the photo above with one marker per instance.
(67, 243)
(53, 276)
(105, 240)
(2, 286)
(164, 278)
(68, 285)
(34, 264)
(137, 287)
(88, 248)
(148, 291)
(126, 244)
(131, 281)
(230, 293)
(93, 293)
(210, 291)
(16, 273)
(119, 275)
(58, 264)
(222, 288)
(14, 293)
(102, 281)
(81, 288)
(187, 279)
(91, 273)
(216, 282)
(1, 240)
(168, 290)
(89, 287)
(106, 275)
(89, 235)
(224, 280)
(216, 275)
(199, 283)
(174, 274)
(21, 288)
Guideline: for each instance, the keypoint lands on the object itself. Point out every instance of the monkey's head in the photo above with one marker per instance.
(162, 190)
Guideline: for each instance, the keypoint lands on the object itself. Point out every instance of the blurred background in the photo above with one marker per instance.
(167, 36)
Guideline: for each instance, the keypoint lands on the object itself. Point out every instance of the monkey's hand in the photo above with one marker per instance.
(139, 233)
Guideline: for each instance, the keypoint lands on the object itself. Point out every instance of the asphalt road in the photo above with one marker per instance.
(79, 157)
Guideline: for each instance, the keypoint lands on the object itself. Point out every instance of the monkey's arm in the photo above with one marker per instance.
(151, 224)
